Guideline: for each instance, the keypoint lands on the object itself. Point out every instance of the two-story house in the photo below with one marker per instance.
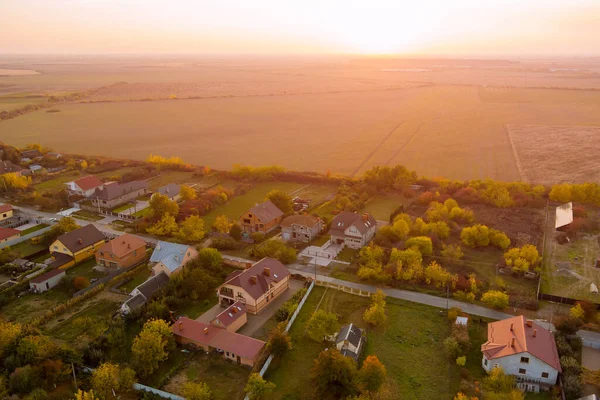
(170, 257)
(523, 349)
(114, 194)
(352, 229)
(256, 286)
(300, 228)
(122, 252)
(263, 217)
(77, 245)
(85, 186)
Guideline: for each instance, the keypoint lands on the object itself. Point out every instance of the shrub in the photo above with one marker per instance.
(461, 361)
(452, 347)
(461, 295)
(476, 236)
(422, 243)
(80, 282)
(496, 299)
(453, 313)
(223, 243)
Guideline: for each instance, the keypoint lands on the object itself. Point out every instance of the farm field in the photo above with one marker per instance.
(16, 101)
(411, 348)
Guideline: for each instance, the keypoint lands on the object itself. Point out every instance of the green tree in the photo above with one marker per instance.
(210, 259)
(108, 377)
(221, 224)
(151, 346)
(166, 226)
(160, 205)
(372, 374)
(191, 229)
(23, 379)
(496, 299)
(235, 231)
(333, 375)
(187, 193)
(279, 341)
(281, 200)
(257, 388)
(321, 325)
(197, 391)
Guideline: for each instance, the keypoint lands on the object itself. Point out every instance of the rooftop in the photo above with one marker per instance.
(123, 245)
(564, 215)
(266, 211)
(6, 233)
(47, 275)
(351, 333)
(114, 190)
(88, 182)
(231, 313)
(5, 207)
(170, 190)
(304, 220)
(256, 279)
(152, 284)
(81, 238)
(345, 219)
(170, 254)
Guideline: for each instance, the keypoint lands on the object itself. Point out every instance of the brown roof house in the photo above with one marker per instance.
(263, 217)
(85, 186)
(79, 244)
(7, 234)
(8, 167)
(47, 281)
(300, 228)
(523, 349)
(256, 286)
(233, 346)
(233, 318)
(6, 211)
(122, 252)
(114, 194)
(352, 229)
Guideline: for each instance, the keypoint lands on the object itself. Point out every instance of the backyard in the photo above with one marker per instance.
(137, 279)
(382, 206)
(27, 248)
(86, 269)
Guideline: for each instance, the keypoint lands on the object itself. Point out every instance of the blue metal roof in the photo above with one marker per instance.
(170, 254)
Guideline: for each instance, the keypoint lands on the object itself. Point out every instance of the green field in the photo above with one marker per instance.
(411, 348)
(382, 206)
(24, 309)
(58, 182)
(27, 248)
(33, 229)
(97, 314)
(235, 207)
(137, 279)
(85, 269)
(178, 177)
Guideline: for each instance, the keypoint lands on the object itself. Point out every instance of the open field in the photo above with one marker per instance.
(27, 248)
(91, 320)
(549, 154)
(24, 309)
(381, 207)
(19, 100)
(411, 348)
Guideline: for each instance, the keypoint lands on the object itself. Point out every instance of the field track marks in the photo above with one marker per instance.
(386, 137)
(522, 174)
(405, 144)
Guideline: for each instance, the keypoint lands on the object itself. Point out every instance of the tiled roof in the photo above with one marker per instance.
(135, 302)
(5, 233)
(517, 335)
(115, 190)
(81, 238)
(345, 219)
(123, 245)
(7, 166)
(47, 275)
(88, 182)
(266, 211)
(256, 279)
(303, 220)
(170, 254)
(231, 313)
(5, 207)
(60, 259)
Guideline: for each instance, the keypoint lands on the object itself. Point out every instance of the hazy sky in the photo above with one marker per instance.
(467, 27)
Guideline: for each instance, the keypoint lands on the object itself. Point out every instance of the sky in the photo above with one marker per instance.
(435, 27)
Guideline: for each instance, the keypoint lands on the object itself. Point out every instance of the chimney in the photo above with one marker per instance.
(180, 326)
(267, 271)
(529, 323)
(365, 217)
(512, 342)
(80, 241)
(253, 279)
(511, 327)
(534, 332)
(206, 330)
(128, 245)
(234, 310)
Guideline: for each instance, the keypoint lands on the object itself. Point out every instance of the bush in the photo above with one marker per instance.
(572, 386)
(422, 243)
(277, 250)
(462, 295)
(258, 237)
(223, 243)
(80, 282)
(452, 347)
(461, 361)
(476, 236)
(496, 299)
(235, 232)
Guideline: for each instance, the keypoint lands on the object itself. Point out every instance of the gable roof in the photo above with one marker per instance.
(152, 284)
(266, 211)
(303, 220)
(564, 215)
(88, 182)
(135, 302)
(123, 245)
(256, 279)
(8, 166)
(517, 335)
(231, 313)
(5, 233)
(81, 238)
(345, 219)
(199, 332)
(48, 275)
(170, 254)
(351, 333)
(32, 153)
(114, 190)
(170, 190)
(5, 207)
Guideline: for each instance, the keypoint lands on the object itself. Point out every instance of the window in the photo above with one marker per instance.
(522, 371)
(135, 253)
(525, 360)
(55, 247)
(485, 362)
(545, 374)
(101, 254)
(227, 354)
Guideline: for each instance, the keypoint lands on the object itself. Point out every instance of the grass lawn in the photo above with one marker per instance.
(320, 240)
(142, 213)
(382, 206)
(33, 229)
(167, 177)
(139, 278)
(240, 204)
(325, 210)
(24, 309)
(58, 182)
(87, 215)
(27, 248)
(98, 314)
(194, 309)
(85, 268)
(347, 254)
(122, 208)
(317, 193)
(411, 348)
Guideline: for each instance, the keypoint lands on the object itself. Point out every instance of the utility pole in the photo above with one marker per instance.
(74, 376)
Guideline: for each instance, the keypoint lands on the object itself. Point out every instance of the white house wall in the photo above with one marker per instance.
(535, 367)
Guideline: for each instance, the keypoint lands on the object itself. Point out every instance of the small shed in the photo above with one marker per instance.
(462, 321)
(593, 288)
(564, 216)
(47, 281)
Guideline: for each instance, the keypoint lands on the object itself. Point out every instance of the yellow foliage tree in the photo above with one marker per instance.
(191, 229)
(221, 224)
(187, 193)
(165, 227)
(14, 181)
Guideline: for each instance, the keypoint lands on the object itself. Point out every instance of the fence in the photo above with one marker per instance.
(108, 278)
(556, 299)
(343, 288)
(24, 238)
(161, 393)
(264, 368)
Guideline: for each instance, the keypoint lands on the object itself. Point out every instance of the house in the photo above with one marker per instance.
(233, 318)
(462, 321)
(144, 292)
(7, 234)
(8, 167)
(80, 244)
(350, 341)
(6, 211)
(256, 286)
(122, 252)
(523, 349)
(33, 153)
(85, 186)
(36, 168)
(114, 194)
(171, 191)
(263, 217)
(61, 261)
(352, 230)
(171, 257)
(301, 228)
(233, 346)
(47, 281)
(564, 216)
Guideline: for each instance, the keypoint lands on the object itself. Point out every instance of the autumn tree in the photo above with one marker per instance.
(279, 341)
(499, 239)
(375, 314)
(89, 395)
(108, 377)
(372, 374)
(437, 275)
(475, 236)
(187, 193)
(333, 375)
(321, 325)
(80, 282)
(523, 258)
(9, 332)
(258, 388)
(12, 181)
(166, 226)
(197, 391)
(191, 229)
(151, 346)
(221, 224)
(160, 205)
(421, 243)
(452, 251)
(496, 299)
(281, 200)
